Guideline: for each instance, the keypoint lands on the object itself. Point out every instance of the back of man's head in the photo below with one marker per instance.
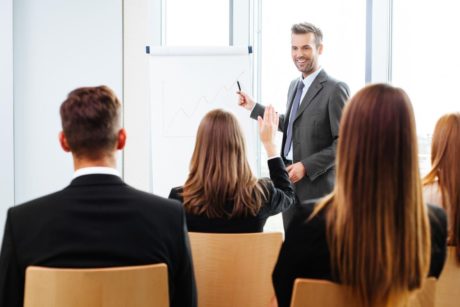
(90, 118)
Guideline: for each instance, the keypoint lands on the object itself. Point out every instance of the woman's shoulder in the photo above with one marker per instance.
(176, 193)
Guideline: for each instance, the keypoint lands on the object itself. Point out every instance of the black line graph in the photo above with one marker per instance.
(182, 119)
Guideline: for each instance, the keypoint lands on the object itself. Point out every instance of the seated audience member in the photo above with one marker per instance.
(98, 220)
(442, 184)
(373, 231)
(221, 194)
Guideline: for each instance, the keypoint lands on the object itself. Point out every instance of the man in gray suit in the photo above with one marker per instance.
(311, 123)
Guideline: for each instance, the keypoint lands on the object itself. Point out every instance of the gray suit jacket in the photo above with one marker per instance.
(315, 132)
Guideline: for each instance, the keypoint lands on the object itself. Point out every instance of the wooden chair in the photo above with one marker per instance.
(234, 269)
(313, 292)
(449, 282)
(135, 286)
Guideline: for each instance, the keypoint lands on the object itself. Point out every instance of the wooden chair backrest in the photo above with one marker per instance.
(449, 282)
(313, 292)
(134, 286)
(234, 269)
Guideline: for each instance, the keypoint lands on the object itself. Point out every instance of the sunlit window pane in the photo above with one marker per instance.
(426, 62)
(197, 23)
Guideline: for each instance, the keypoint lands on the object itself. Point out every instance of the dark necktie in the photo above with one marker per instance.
(293, 113)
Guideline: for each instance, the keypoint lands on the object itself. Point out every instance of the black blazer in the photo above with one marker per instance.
(97, 221)
(305, 252)
(281, 196)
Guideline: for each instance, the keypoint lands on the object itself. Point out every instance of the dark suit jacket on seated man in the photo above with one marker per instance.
(98, 220)
(310, 125)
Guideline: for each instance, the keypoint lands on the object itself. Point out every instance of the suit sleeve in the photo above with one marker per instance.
(11, 280)
(282, 194)
(259, 111)
(320, 162)
(184, 280)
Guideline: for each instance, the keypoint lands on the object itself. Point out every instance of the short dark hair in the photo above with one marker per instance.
(90, 118)
(306, 27)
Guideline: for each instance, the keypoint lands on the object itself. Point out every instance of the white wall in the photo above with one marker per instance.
(58, 45)
(6, 109)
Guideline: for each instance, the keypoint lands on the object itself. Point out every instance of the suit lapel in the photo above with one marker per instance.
(314, 89)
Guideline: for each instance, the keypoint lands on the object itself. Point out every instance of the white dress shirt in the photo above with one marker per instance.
(95, 170)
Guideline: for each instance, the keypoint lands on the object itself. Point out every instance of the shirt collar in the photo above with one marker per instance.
(308, 80)
(95, 170)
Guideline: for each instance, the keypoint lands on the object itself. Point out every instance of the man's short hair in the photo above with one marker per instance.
(306, 27)
(90, 118)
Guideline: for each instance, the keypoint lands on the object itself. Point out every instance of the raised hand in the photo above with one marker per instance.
(267, 130)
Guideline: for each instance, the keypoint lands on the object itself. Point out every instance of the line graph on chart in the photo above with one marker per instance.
(181, 119)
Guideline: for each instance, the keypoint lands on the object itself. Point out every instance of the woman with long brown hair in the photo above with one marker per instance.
(373, 231)
(441, 186)
(221, 193)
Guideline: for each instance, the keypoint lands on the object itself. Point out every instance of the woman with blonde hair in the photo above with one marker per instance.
(441, 186)
(373, 231)
(221, 193)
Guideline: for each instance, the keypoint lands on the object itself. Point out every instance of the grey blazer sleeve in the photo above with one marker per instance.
(259, 111)
(321, 161)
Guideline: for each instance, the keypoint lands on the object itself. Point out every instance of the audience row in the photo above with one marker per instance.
(381, 231)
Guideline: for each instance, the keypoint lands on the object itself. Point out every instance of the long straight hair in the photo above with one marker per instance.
(220, 172)
(377, 224)
(445, 169)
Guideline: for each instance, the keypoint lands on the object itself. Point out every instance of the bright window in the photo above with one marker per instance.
(197, 23)
(426, 62)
